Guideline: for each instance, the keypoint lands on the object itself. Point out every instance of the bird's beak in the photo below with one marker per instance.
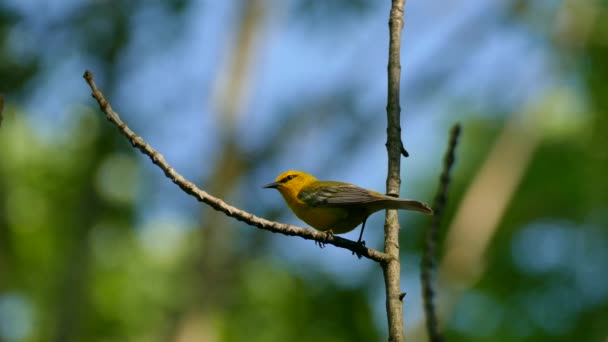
(272, 185)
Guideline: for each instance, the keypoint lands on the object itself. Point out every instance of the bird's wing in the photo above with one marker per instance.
(333, 194)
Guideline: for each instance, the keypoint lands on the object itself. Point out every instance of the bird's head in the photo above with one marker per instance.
(290, 183)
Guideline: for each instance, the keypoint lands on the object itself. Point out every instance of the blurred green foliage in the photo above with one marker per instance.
(78, 262)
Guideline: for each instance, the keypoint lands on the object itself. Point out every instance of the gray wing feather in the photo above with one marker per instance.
(337, 195)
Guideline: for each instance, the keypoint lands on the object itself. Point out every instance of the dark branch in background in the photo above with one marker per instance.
(217, 203)
(432, 234)
(1, 108)
(394, 148)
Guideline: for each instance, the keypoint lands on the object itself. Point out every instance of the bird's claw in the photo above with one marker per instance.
(362, 243)
(328, 235)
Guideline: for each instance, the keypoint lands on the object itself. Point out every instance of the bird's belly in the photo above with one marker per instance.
(339, 220)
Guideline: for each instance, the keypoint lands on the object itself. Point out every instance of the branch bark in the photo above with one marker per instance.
(394, 146)
(217, 203)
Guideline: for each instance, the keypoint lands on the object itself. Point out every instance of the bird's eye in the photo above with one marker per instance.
(288, 178)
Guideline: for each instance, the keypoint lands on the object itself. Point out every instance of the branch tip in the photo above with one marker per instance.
(88, 75)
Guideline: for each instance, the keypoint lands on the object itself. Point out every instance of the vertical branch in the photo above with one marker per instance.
(428, 261)
(394, 146)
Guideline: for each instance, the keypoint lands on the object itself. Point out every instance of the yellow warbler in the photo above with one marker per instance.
(336, 207)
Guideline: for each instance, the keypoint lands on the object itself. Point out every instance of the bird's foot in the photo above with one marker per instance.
(328, 234)
(362, 243)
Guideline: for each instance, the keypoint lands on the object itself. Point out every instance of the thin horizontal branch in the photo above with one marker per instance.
(432, 234)
(217, 203)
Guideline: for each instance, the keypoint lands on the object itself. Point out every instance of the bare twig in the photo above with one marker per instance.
(217, 203)
(432, 233)
(394, 146)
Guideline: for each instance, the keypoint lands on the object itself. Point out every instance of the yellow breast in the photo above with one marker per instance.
(339, 220)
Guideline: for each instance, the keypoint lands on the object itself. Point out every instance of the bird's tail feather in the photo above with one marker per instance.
(406, 204)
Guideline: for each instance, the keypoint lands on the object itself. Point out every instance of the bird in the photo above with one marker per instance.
(336, 207)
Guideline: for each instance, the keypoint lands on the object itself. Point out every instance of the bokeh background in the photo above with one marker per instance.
(97, 245)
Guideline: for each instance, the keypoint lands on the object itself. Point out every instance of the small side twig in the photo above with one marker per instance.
(432, 233)
(217, 203)
(404, 152)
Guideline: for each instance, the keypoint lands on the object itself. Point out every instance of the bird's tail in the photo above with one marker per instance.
(406, 204)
